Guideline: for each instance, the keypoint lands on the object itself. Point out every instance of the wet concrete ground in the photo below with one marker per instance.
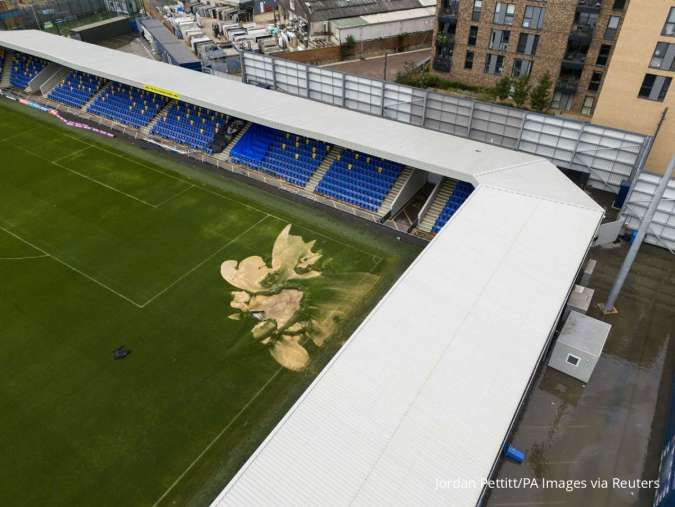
(613, 427)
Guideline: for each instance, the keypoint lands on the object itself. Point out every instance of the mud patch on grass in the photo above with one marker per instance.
(279, 297)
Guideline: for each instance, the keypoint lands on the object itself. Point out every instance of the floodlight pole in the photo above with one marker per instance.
(608, 307)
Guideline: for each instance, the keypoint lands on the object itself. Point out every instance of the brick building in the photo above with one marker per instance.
(479, 41)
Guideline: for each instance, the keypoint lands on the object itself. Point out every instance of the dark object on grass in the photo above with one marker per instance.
(121, 352)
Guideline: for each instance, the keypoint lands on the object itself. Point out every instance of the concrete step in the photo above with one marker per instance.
(225, 154)
(6, 70)
(160, 114)
(403, 178)
(323, 167)
(442, 196)
(86, 105)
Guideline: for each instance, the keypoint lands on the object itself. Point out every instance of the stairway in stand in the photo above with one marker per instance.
(323, 167)
(225, 154)
(86, 105)
(402, 179)
(147, 129)
(430, 217)
(6, 70)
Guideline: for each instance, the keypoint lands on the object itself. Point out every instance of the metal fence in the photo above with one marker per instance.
(608, 155)
(662, 229)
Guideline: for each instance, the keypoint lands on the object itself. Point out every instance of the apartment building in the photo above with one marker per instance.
(479, 41)
(638, 93)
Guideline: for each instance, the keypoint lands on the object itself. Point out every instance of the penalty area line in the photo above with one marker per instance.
(193, 269)
(73, 268)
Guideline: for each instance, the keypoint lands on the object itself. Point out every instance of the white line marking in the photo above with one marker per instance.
(73, 153)
(17, 134)
(24, 258)
(217, 437)
(60, 261)
(177, 194)
(238, 236)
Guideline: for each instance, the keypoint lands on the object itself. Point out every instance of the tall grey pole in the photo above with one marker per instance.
(385, 64)
(608, 307)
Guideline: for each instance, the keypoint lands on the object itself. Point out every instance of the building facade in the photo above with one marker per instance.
(638, 93)
(477, 42)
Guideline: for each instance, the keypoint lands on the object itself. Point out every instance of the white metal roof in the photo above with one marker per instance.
(421, 148)
(429, 384)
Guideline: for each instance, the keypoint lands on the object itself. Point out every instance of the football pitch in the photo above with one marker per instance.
(230, 299)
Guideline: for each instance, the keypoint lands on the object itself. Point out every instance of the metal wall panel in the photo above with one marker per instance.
(662, 229)
(608, 155)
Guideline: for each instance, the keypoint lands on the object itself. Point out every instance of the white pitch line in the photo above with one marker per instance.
(109, 187)
(241, 234)
(73, 153)
(44, 256)
(61, 261)
(17, 134)
(177, 194)
(216, 438)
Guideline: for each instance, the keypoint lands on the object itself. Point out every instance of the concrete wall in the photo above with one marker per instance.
(320, 56)
(384, 30)
(619, 105)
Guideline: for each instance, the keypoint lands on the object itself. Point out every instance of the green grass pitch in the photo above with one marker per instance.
(105, 244)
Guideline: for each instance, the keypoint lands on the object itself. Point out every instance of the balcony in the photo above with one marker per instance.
(442, 64)
(448, 11)
(444, 40)
(567, 86)
(582, 34)
(574, 61)
(589, 6)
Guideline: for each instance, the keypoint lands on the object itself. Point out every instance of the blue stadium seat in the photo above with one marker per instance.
(2, 60)
(76, 88)
(191, 125)
(24, 69)
(359, 179)
(287, 156)
(460, 193)
(127, 105)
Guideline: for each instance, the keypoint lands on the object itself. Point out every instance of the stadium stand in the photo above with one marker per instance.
(359, 179)
(461, 192)
(25, 68)
(287, 156)
(193, 126)
(76, 88)
(2, 60)
(127, 105)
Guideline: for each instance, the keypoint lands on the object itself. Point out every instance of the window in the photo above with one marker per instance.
(654, 87)
(527, 44)
(596, 79)
(504, 13)
(587, 107)
(573, 360)
(612, 27)
(473, 35)
(663, 57)
(534, 17)
(669, 27)
(521, 68)
(603, 55)
(500, 40)
(468, 61)
(494, 64)
(477, 5)
(619, 5)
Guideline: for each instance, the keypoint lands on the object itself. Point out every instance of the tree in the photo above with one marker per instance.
(540, 97)
(503, 88)
(347, 49)
(521, 89)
